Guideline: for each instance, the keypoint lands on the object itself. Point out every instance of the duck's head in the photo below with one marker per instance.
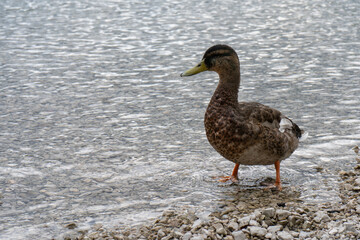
(219, 58)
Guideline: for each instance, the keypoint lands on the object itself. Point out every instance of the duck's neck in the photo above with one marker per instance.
(228, 87)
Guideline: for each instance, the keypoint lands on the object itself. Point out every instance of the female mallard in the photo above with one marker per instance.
(246, 133)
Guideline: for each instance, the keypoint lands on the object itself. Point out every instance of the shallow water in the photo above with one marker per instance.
(96, 126)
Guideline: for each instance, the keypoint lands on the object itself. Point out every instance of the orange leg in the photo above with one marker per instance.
(234, 175)
(278, 181)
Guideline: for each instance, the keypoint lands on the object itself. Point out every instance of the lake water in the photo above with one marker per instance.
(96, 126)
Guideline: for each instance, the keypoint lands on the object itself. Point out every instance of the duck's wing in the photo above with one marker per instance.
(268, 117)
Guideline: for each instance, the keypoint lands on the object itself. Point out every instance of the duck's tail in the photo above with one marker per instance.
(304, 135)
(287, 124)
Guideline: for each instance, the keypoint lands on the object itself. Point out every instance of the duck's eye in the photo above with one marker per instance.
(199, 65)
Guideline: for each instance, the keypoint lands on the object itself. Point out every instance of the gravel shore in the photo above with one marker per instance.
(254, 214)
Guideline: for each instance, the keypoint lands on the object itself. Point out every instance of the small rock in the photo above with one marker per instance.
(283, 222)
(228, 210)
(97, 226)
(321, 216)
(228, 238)
(178, 234)
(175, 222)
(294, 234)
(168, 213)
(269, 222)
(358, 208)
(204, 216)
(164, 219)
(269, 213)
(71, 226)
(239, 235)
(344, 173)
(219, 228)
(292, 220)
(304, 235)
(282, 214)
(348, 187)
(205, 231)
(257, 231)
(333, 231)
(300, 210)
(253, 223)
(306, 225)
(284, 235)
(341, 229)
(357, 181)
(190, 216)
(233, 226)
(275, 229)
(69, 235)
(187, 236)
(257, 214)
(269, 235)
(94, 235)
(356, 149)
(243, 222)
(241, 205)
(198, 237)
(264, 225)
(197, 224)
(350, 227)
(325, 236)
(161, 233)
(184, 228)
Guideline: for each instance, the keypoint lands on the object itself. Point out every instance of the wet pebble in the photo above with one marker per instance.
(71, 225)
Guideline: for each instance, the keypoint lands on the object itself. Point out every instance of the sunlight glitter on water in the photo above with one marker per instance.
(97, 126)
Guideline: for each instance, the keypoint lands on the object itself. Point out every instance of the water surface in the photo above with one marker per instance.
(96, 126)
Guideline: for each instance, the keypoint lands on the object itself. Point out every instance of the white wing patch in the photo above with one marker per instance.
(285, 124)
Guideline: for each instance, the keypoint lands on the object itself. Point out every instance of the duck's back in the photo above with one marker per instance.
(249, 133)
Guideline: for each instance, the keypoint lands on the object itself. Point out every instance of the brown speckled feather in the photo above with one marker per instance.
(246, 132)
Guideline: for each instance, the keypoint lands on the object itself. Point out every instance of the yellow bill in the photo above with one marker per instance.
(195, 70)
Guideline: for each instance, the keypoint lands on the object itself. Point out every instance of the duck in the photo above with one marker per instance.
(245, 133)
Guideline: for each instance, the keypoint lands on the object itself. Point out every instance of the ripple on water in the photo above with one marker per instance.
(97, 126)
